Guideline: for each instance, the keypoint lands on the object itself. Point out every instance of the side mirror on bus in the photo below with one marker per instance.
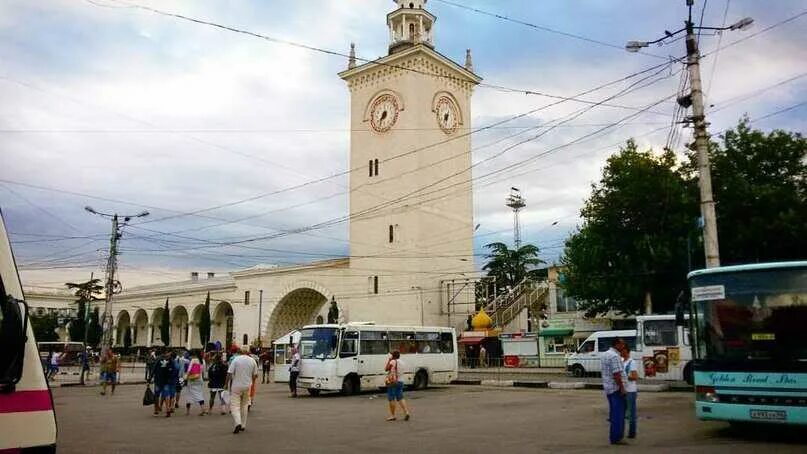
(13, 329)
(680, 308)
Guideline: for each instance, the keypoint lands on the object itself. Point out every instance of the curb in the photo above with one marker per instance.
(538, 384)
(92, 384)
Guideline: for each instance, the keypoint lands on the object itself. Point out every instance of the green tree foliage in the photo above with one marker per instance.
(44, 327)
(759, 182)
(127, 338)
(511, 266)
(94, 330)
(165, 325)
(86, 293)
(633, 241)
(204, 323)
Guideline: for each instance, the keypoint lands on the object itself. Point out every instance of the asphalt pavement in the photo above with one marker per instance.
(462, 419)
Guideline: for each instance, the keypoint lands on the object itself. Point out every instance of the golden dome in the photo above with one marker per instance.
(481, 321)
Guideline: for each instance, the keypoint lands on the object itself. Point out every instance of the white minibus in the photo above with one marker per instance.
(586, 360)
(351, 357)
(27, 421)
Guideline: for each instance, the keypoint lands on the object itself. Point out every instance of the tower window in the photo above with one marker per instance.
(375, 285)
(373, 164)
(376, 166)
(391, 234)
(412, 5)
(372, 286)
(371, 167)
(246, 297)
(412, 31)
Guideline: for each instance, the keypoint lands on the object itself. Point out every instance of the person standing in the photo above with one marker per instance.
(294, 371)
(110, 366)
(613, 384)
(54, 365)
(394, 382)
(164, 389)
(266, 362)
(483, 356)
(182, 368)
(631, 388)
(151, 359)
(217, 378)
(241, 375)
(195, 383)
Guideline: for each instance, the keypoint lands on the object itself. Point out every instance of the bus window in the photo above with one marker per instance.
(586, 347)
(660, 332)
(13, 326)
(349, 345)
(446, 343)
(374, 343)
(606, 342)
(402, 341)
(428, 342)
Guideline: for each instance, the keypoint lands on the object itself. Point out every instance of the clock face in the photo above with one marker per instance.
(384, 113)
(447, 114)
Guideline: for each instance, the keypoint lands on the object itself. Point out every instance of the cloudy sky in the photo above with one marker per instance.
(125, 110)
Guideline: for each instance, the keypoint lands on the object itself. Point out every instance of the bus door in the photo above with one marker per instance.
(348, 361)
(373, 352)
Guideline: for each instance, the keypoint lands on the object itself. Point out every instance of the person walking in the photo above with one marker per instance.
(182, 368)
(151, 360)
(241, 375)
(217, 378)
(110, 366)
(631, 389)
(54, 365)
(164, 388)
(394, 382)
(613, 385)
(483, 356)
(294, 371)
(195, 383)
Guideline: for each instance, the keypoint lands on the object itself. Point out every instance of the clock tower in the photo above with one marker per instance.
(411, 203)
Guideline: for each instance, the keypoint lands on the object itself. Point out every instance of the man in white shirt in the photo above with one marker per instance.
(241, 375)
(631, 388)
(613, 384)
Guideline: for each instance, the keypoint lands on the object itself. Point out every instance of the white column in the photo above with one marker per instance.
(131, 333)
(404, 30)
(150, 334)
(420, 31)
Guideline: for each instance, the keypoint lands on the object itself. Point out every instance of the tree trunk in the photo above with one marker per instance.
(648, 303)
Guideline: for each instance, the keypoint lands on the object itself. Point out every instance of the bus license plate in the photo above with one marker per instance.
(768, 415)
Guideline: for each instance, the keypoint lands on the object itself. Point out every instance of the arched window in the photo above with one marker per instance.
(412, 32)
(412, 5)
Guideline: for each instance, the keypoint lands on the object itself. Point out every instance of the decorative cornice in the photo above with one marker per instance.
(342, 262)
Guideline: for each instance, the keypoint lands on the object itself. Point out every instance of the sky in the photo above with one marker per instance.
(107, 105)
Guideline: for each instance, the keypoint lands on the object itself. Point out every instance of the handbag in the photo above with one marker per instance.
(392, 375)
(148, 396)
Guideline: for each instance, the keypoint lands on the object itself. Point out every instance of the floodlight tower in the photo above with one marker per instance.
(516, 202)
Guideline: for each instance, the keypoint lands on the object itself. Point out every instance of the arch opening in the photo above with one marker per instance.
(122, 327)
(221, 328)
(193, 331)
(297, 308)
(179, 326)
(141, 328)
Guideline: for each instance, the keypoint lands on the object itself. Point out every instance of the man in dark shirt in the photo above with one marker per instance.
(217, 376)
(164, 386)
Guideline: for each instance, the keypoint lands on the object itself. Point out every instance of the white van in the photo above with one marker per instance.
(586, 360)
(27, 420)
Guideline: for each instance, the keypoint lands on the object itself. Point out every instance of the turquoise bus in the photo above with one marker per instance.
(749, 328)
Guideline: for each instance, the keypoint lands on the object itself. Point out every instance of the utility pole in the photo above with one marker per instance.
(112, 286)
(695, 100)
(516, 202)
(260, 315)
(710, 243)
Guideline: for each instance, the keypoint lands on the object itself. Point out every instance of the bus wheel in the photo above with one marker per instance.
(313, 392)
(578, 371)
(421, 380)
(349, 386)
(688, 375)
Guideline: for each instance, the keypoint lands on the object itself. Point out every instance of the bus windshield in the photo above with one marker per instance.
(319, 343)
(755, 315)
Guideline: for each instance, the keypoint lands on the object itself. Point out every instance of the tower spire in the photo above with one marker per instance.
(351, 62)
(469, 64)
(410, 25)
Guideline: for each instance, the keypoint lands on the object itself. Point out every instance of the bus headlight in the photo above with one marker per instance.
(706, 394)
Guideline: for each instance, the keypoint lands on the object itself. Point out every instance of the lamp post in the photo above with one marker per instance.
(695, 100)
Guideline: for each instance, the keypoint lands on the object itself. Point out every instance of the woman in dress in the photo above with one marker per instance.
(195, 386)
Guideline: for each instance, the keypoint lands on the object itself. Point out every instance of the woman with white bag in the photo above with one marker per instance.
(217, 376)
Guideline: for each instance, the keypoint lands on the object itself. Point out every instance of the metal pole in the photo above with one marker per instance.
(112, 262)
(710, 243)
(260, 314)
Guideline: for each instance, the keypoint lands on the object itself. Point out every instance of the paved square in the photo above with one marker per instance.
(463, 419)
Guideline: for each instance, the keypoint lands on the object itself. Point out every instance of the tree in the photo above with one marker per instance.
(630, 253)
(759, 182)
(94, 330)
(204, 323)
(165, 326)
(86, 293)
(127, 338)
(511, 266)
(44, 327)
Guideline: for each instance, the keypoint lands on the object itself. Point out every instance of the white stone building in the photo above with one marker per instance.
(411, 214)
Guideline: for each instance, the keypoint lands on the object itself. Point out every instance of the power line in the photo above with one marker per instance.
(543, 28)
(717, 54)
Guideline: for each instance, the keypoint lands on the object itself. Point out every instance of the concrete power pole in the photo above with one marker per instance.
(112, 286)
(707, 202)
(695, 99)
